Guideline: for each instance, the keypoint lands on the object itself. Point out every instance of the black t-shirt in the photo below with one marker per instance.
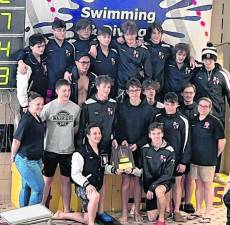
(30, 133)
(204, 140)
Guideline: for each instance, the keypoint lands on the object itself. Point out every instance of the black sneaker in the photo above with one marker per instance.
(188, 208)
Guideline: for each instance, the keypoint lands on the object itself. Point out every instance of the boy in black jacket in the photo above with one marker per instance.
(176, 130)
(158, 161)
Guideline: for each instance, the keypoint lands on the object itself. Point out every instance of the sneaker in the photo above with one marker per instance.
(104, 217)
(188, 208)
(160, 222)
(168, 215)
(178, 217)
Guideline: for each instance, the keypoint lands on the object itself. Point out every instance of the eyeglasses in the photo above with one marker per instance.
(84, 62)
(204, 106)
(134, 90)
(59, 30)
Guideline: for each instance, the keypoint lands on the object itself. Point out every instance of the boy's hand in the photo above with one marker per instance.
(124, 143)
(93, 51)
(128, 170)
(114, 144)
(133, 147)
(120, 40)
(22, 67)
(68, 76)
(90, 189)
(149, 195)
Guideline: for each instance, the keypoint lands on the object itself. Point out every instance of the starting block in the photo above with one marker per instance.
(28, 215)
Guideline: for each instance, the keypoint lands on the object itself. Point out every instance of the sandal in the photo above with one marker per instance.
(194, 216)
(138, 217)
(123, 219)
(205, 220)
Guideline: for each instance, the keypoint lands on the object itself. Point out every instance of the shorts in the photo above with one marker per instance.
(203, 173)
(152, 204)
(51, 160)
(81, 193)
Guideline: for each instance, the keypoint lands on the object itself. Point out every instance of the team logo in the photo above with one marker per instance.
(206, 125)
(113, 61)
(163, 158)
(175, 125)
(67, 52)
(216, 80)
(110, 111)
(187, 70)
(135, 54)
(62, 118)
(161, 55)
(208, 56)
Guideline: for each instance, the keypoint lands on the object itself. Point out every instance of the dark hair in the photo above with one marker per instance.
(171, 97)
(104, 31)
(36, 39)
(149, 83)
(32, 95)
(188, 85)
(133, 82)
(61, 82)
(206, 99)
(58, 23)
(156, 125)
(182, 47)
(89, 127)
(83, 23)
(129, 27)
(79, 55)
(150, 29)
(103, 79)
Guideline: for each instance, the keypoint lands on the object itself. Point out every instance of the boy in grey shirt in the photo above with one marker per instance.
(62, 122)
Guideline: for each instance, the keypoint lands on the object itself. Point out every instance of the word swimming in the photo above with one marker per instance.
(106, 13)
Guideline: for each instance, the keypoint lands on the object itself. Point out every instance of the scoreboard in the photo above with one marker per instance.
(12, 23)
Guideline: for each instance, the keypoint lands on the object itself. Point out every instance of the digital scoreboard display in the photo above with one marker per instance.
(12, 23)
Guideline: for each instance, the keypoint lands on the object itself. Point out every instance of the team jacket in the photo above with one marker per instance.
(59, 60)
(177, 134)
(216, 87)
(35, 79)
(83, 45)
(158, 165)
(74, 84)
(105, 65)
(176, 78)
(134, 62)
(89, 168)
(159, 55)
(101, 113)
(190, 111)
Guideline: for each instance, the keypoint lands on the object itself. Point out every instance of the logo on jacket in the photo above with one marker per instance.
(187, 70)
(62, 118)
(206, 125)
(67, 52)
(216, 80)
(135, 54)
(113, 62)
(163, 158)
(175, 125)
(110, 111)
(161, 55)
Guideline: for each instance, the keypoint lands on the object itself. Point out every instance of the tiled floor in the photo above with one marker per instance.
(218, 217)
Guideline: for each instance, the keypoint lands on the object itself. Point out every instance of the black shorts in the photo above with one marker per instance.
(51, 160)
(152, 204)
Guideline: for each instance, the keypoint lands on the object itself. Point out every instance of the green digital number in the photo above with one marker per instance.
(9, 18)
(4, 77)
(7, 48)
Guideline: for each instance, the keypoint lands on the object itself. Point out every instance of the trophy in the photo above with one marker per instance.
(122, 157)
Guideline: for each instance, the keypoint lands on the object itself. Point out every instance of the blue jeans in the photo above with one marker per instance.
(32, 180)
